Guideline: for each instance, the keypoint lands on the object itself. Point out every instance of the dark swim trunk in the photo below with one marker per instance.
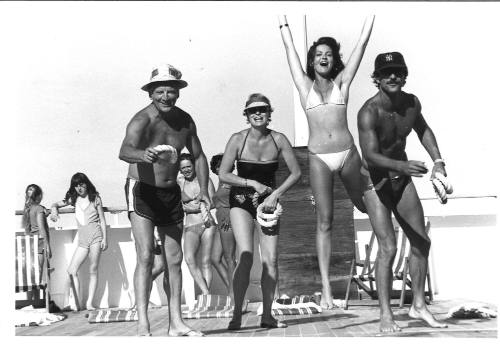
(387, 188)
(162, 206)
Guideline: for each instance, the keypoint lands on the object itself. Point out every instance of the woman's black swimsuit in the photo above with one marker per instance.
(260, 171)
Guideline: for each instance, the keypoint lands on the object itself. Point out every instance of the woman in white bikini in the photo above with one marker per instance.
(324, 92)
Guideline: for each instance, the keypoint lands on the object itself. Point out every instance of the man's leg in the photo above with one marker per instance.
(380, 218)
(172, 280)
(142, 229)
(410, 216)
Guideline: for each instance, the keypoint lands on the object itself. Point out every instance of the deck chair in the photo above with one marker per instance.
(366, 267)
(29, 275)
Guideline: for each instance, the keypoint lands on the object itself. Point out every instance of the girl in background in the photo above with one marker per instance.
(92, 238)
(198, 233)
(35, 221)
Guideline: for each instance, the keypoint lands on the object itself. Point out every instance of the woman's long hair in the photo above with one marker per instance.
(77, 179)
(35, 198)
(338, 65)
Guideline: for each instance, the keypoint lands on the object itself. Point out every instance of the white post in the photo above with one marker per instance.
(299, 32)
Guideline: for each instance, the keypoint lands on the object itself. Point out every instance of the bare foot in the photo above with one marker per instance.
(143, 329)
(387, 325)
(425, 315)
(326, 299)
(181, 330)
(90, 307)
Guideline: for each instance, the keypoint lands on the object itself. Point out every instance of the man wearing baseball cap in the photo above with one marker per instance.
(154, 137)
(384, 122)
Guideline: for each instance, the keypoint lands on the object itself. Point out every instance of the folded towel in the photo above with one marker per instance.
(301, 308)
(212, 306)
(104, 316)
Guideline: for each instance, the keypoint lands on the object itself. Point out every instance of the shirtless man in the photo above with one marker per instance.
(384, 122)
(153, 196)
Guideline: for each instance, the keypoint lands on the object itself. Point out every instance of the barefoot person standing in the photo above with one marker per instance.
(154, 137)
(324, 94)
(384, 122)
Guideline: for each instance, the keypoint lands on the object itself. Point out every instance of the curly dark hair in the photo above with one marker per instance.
(77, 179)
(338, 65)
(215, 162)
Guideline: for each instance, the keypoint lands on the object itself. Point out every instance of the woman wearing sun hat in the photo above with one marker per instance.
(255, 151)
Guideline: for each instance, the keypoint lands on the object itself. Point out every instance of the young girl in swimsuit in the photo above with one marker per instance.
(256, 151)
(35, 221)
(324, 92)
(92, 236)
(227, 241)
(198, 233)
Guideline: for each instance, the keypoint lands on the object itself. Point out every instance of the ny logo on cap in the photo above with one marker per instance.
(388, 57)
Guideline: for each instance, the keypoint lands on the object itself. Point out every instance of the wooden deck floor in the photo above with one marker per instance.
(361, 320)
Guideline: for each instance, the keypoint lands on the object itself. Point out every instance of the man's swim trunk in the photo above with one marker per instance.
(162, 206)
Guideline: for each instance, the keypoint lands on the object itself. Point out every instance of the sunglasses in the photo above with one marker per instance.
(398, 72)
(254, 110)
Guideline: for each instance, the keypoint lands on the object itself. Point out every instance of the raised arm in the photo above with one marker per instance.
(200, 164)
(352, 64)
(428, 141)
(130, 151)
(368, 142)
(300, 79)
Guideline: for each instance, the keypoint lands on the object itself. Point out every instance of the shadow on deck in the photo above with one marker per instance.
(361, 320)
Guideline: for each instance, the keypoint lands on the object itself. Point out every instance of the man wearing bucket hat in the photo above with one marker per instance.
(154, 137)
(384, 122)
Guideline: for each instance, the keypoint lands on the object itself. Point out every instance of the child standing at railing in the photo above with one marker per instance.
(89, 213)
(35, 220)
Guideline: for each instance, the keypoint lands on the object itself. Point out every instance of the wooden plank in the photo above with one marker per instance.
(298, 264)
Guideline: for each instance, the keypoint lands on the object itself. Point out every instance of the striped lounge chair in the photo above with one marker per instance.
(29, 274)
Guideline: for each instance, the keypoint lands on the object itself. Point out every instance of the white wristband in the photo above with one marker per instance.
(439, 160)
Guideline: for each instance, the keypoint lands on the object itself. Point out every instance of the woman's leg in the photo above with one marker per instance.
(94, 256)
(269, 258)
(243, 228)
(351, 177)
(192, 235)
(322, 187)
(217, 259)
(207, 239)
(229, 248)
(76, 261)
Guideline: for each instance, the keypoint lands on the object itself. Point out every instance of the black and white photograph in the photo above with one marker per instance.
(250, 169)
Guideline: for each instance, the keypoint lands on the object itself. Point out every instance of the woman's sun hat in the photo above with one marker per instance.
(165, 73)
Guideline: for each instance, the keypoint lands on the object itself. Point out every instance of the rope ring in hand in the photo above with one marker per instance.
(269, 219)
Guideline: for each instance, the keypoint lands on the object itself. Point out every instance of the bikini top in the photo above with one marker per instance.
(260, 171)
(314, 99)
